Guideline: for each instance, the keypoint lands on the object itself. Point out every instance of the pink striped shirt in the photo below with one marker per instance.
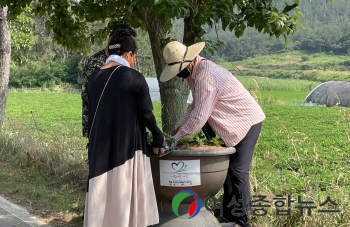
(220, 99)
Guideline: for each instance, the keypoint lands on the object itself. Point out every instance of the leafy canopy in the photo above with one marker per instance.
(70, 19)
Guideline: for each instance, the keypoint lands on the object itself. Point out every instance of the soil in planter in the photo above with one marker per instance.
(196, 146)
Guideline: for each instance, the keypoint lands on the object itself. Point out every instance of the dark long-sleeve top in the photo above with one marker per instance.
(118, 127)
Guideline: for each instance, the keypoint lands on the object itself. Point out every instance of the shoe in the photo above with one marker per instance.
(236, 225)
(221, 219)
(225, 223)
(230, 224)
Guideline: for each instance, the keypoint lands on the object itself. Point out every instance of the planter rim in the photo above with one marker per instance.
(211, 152)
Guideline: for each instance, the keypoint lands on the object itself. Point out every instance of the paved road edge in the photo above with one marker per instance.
(21, 213)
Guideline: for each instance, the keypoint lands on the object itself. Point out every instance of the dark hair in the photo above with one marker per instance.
(120, 44)
(121, 30)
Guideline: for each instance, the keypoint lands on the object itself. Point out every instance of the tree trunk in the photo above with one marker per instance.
(174, 92)
(191, 30)
(5, 56)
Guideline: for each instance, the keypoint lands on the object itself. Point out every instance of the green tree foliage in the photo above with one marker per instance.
(36, 60)
(22, 36)
(325, 29)
(69, 19)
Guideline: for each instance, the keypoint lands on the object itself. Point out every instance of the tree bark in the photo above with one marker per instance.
(173, 93)
(5, 57)
(191, 30)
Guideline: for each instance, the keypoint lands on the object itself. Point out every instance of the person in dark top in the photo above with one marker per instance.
(120, 187)
(94, 62)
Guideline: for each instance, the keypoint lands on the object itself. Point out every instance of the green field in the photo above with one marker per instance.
(303, 151)
(296, 65)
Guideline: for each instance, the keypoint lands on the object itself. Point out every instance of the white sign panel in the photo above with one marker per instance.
(179, 173)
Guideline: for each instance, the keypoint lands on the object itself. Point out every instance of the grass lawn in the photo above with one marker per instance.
(303, 151)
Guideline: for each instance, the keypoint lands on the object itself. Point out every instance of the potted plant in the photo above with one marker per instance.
(196, 166)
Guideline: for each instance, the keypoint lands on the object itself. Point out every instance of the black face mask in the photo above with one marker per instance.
(184, 73)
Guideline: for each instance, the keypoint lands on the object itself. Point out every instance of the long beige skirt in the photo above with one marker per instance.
(123, 196)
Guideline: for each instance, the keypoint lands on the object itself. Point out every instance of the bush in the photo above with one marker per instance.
(39, 74)
(305, 67)
(346, 63)
(305, 58)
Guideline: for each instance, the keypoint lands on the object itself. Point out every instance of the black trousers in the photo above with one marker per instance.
(236, 198)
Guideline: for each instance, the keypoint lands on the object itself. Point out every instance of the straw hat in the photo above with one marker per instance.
(177, 56)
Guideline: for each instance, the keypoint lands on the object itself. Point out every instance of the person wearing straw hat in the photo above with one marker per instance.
(221, 101)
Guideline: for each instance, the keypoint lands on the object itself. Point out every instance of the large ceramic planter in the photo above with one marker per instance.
(213, 165)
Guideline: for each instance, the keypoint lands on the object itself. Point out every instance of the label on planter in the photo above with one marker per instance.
(180, 173)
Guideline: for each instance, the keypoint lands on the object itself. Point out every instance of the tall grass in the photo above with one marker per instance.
(57, 153)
